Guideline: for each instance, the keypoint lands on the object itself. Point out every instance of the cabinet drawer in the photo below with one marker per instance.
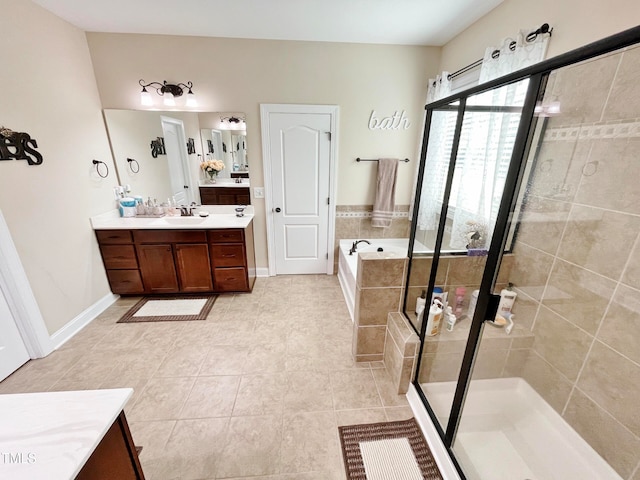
(119, 256)
(230, 279)
(208, 196)
(170, 236)
(227, 255)
(226, 236)
(125, 281)
(113, 236)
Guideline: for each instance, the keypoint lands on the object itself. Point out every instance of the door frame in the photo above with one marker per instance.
(184, 156)
(22, 303)
(333, 111)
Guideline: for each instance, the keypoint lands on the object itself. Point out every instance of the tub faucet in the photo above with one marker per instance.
(354, 247)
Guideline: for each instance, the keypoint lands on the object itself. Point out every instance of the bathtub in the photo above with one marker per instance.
(507, 432)
(348, 264)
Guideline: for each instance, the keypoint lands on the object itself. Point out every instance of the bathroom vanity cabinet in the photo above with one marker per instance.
(174, 261)
(218, 195)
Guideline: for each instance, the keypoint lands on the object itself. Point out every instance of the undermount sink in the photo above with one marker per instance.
(182, 220)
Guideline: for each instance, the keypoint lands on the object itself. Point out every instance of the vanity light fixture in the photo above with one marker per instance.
(169, 92)
(233, 123)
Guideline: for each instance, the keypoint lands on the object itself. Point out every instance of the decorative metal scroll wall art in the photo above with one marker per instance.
(18, 146)
(157, 147)
(191, 146)
(210, 147)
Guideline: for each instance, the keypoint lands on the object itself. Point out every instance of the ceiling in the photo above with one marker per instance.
(400, 22)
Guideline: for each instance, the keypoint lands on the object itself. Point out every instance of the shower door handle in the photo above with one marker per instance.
(492, 307)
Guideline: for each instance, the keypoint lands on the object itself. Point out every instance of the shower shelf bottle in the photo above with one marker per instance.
(434, 318)
(421, 301)
(507, 298)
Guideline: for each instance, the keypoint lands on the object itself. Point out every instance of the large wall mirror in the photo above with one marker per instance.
(158, 153)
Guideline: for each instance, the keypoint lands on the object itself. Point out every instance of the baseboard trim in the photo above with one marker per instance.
(67, 332)
(262, 272)
(439, 451)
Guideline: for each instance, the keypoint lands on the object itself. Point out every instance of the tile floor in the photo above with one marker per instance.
(255, 391)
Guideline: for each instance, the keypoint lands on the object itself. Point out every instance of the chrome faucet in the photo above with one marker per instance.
(354, 247)
(187, 211)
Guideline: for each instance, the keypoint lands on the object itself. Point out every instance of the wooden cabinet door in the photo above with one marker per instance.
(194, 271)
(157, 268)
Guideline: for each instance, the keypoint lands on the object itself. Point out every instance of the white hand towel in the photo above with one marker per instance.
(385, 192)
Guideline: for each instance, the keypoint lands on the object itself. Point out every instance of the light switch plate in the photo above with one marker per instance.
(258, 192)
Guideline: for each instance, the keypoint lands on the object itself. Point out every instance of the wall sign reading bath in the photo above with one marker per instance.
(394, 122)
(18, 146)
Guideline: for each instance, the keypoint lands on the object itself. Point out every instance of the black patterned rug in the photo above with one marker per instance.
(387, 451)
(170, 309)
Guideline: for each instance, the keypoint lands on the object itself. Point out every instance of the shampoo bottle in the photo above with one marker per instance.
(435, 316)
(507, 298)
(450, 319)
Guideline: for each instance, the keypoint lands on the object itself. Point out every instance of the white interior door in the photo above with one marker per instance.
(300, 156)
(13, 352)
(176, 147)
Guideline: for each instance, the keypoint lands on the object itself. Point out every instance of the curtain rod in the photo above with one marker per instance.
(544, 28)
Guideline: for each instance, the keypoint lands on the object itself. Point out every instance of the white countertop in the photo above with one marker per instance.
(220, 216)
(228, 182)
(51, 435)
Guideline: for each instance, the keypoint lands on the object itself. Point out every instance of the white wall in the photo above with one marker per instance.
(575, 23)
(49, 91)
(242, 74)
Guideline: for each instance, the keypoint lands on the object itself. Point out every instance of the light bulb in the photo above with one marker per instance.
(169, 100)
(191, 100)
(145, 98)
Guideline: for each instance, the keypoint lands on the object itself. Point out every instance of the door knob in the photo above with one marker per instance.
(278, 210)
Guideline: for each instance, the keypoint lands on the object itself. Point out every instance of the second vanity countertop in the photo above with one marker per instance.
(227, 183)
(53, 434)
(220, 216)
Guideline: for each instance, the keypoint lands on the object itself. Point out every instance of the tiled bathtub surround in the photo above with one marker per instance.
(354, 221)
(379, 287)
(577, 257)
(400, 350)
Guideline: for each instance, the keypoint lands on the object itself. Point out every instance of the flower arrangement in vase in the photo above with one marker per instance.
(212, 168)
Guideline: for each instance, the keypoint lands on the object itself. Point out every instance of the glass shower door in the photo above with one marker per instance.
(556, 397)
(467, 209)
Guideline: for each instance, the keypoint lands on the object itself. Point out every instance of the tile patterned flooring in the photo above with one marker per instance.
(257, 391)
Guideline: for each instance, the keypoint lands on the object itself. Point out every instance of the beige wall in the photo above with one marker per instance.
(242, 74)
(575, 23)
(49, 91)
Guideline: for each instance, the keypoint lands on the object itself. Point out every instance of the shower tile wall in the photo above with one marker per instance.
(354, 221)
(577, 257)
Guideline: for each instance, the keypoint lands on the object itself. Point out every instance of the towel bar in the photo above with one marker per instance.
(375, 160)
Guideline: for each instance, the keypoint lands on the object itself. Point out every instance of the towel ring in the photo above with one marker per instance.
(134, 166)
(97, 163)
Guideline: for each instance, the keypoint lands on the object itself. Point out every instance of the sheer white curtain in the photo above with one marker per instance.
(440, 138)
(485, 148)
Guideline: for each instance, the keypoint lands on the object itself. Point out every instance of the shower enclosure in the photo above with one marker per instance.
(532, 179)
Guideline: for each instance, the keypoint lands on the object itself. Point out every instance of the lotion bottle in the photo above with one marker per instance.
(435, 316)
(507, 298)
